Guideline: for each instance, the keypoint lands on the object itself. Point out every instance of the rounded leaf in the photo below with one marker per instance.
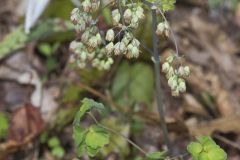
(194, 148)
(217, 154)
(155, 155)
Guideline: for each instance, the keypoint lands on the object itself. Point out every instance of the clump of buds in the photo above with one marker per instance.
(116, 16)
(128, 46)
(90, 5)
(163, 28)
(89, 50)
(176, 75)
(131, 16)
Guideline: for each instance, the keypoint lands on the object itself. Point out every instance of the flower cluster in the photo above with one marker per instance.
(176, 75)
(128, 46)
(163, 28)
(90, 48)
(131, 16)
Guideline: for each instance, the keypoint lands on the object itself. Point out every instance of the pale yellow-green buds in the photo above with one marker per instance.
(110, 35)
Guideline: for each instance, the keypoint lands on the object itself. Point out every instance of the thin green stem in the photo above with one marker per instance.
(117, 133)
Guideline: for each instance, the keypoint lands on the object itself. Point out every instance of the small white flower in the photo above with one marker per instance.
(186, 71)
(109, 48)
(86, 5)
(181, 85)
(127, 15)
(117, 50)
(116, 16)
(165, 67)
(110, 35)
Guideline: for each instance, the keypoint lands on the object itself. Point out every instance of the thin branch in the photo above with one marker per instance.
(117, 133)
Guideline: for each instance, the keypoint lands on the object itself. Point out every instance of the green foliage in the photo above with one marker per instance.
(13, 41)
(87, 105)
(133, 84)
(206, 149)
(156, 155)
(118, 144)
(93, 138)
(55, 146)
(3, 125)
(167, 5)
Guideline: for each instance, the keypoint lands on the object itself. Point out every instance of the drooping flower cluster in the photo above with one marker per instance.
(128, 46)
(176, 75)
(163, 28)
(89, 48)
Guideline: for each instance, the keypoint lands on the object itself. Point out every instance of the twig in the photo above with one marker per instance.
(117, 133)
(228, 142)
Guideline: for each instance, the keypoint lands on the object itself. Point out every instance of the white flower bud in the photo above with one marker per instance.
(127, 15)
(170, 59)
(91, 55)
(110, 35)
(170, 73)
(165, 67)
(135, 42)
(187, 71)
(85, 37)
(93, 42)
(99, 39)
(139, 12)
(135, 52)
(83, 56)
(95, 62)
(117, 48)
(86, 5)
(74, 15)
(109, 48)
(181, 85)
(134, 22)
(116, 16)
(80, 27)
(180, 71)
(122, 48)
(95, 5)
(160, 28)
(172, 82)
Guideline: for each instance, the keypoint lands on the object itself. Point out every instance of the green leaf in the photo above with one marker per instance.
(80, 150)
(79, 135)
(217, 154)
(142, 84)
(3, 125)
(96, 138)
(45, 49)
(92, 152)
(156, 155)
(58, 152)
(203, 156)
(53, 142)
(133, 84)
(167, 5)
(87, 105)
(205, 139)
(194, 148)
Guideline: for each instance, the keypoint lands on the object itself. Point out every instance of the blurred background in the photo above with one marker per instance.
(40, 91)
